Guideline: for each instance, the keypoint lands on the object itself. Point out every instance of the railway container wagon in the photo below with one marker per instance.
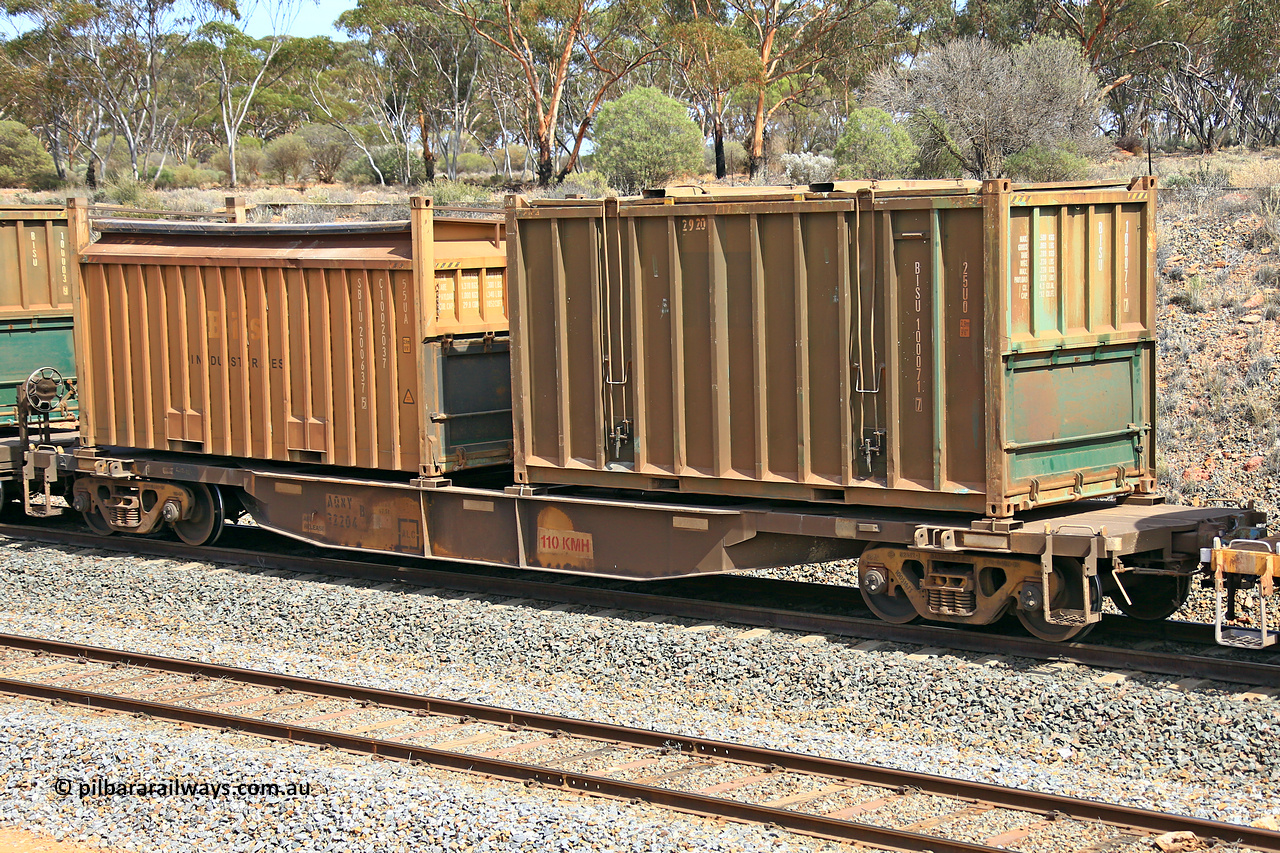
(959, 346)
(348, 386)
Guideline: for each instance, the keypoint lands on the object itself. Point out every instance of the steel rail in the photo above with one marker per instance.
(1237, 671)
(1038, 805)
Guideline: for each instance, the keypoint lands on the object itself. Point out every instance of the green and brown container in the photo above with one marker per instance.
(956, 346)
(38, 279)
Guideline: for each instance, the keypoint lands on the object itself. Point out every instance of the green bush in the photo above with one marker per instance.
(735, 157)
(874, 146)
(390, 160)
(1041, 163)
(23, 160)
(288, 157)
(590, 184)
(473, 163)
(188, 176)
(1202, 176)
(355, 170)
(644, 139)
(129, 193)
(445, 192)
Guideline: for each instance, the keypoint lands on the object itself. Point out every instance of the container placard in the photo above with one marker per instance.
(559, 544)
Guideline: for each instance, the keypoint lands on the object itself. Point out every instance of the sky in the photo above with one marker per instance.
(314, 17)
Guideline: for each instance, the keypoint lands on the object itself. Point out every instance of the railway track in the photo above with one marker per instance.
(827, 798)
(696, 599)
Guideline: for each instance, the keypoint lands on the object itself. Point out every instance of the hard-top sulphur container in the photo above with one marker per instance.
(977, 347)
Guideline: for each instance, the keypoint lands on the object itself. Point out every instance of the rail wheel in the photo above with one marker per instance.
(96, 523)
(1154, 597)
(1065, 592)
(873, 583)
(205, 523)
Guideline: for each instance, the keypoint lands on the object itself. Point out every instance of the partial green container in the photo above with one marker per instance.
(38, 277)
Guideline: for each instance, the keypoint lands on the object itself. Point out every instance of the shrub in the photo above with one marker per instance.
(391, 162)
(1192, 296)
(808, 168)
(187, 176)
(129, 193)
(735, 157)
(979, 103)
(874, 146)
(446, 192)
(1040, 163)
(1132, 143)
(249, 160)
(329, 148)
(470, 161)
(288, 157)
(1203, 176)
(23, 160)
(645, 138)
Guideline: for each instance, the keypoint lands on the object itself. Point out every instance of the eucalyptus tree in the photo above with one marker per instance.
(120, 56)
(793, 43)
(429, 58)
(713, 59)
(592, 44)
(241, 67)
(359, 97)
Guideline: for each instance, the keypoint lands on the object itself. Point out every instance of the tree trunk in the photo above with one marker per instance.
(717, 130)
(546, 165)
(755, 158)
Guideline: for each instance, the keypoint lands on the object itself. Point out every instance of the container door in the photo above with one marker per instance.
(938, 370)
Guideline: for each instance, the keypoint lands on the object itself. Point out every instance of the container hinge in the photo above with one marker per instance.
(487, 340)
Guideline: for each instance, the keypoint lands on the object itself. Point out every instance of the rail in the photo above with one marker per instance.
(825, 795)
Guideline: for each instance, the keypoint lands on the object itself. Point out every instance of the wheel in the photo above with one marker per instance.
(874, 586)
(204, 526)
(1066, 593)
(1155, 597)
(95, 522)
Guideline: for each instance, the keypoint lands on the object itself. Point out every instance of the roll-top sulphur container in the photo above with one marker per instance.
(362, 345)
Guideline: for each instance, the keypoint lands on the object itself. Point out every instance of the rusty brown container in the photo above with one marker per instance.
(984, 348)
(367, 345)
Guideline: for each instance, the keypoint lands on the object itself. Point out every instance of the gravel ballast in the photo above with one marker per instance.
(1008, 721)
(339, 803)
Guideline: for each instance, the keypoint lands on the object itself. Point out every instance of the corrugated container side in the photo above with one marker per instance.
(38, 279)
(850, 345)
(463, 269)
(300, 344)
